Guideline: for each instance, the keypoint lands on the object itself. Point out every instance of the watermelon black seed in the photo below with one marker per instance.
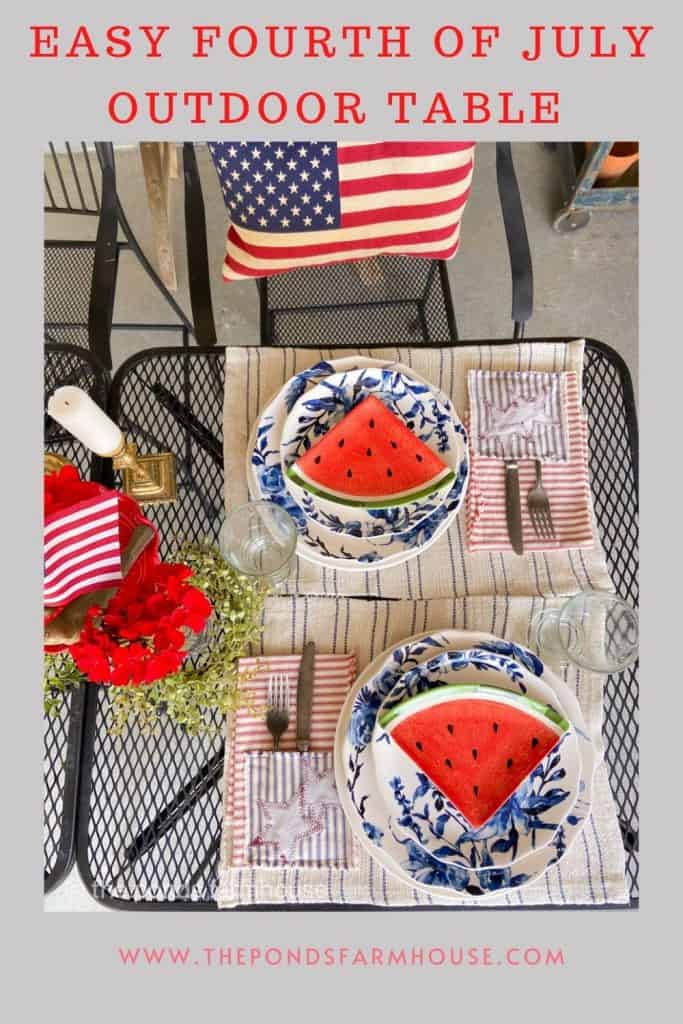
(349, 473)
(419, 458)
(393, 444)
(534, 742)
(509, 762)
(449, 762)
(316, 459)
(476, 790)
(389, 473)
(474, 754)
(495, 726)
(372, 424)
(341, 443)
(369, 451)
(450, 729)
(418, 745)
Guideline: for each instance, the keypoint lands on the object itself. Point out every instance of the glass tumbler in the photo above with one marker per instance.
(595, 630)
(259, 540)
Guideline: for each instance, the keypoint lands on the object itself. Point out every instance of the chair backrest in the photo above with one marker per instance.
(71, 180)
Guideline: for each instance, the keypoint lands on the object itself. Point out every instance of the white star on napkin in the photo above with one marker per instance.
(519, 417)
(287, 823)
(318, 788)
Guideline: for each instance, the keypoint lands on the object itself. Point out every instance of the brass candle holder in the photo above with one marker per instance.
(149, 479)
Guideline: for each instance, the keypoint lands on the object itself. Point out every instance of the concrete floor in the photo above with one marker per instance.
(584, 284)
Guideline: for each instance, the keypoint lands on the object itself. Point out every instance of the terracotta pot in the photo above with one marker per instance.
(621, 156)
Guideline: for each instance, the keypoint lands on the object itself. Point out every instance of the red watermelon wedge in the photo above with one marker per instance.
(370, 459)
(477, 744)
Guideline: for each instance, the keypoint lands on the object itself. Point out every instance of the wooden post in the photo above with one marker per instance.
(159, 162)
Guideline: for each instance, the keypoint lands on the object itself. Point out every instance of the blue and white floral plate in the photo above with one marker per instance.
(428, 413)
(319, 544)
(526, 822)
(401, 854)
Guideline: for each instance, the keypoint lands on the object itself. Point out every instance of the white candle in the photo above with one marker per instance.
(75, 410)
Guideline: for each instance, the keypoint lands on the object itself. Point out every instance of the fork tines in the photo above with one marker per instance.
(278, 691)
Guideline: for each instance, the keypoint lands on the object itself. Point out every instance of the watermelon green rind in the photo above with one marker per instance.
(402, 498)
(391, 717)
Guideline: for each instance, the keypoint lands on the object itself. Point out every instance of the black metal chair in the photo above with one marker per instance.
(81, 275)
(405, 299)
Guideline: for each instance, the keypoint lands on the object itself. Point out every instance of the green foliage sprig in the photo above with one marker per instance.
(60, 676)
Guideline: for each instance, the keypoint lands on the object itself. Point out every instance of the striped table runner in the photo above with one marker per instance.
(592, 872)
(334, 673)
(567, 484)
(448, 567)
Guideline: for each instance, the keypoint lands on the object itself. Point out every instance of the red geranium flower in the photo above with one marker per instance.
(141, 636)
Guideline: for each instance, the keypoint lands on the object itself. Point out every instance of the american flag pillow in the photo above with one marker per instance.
(82, 549)
(300, 204)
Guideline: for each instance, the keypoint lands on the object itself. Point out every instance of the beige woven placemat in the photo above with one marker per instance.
(592, 872)
(254, 375)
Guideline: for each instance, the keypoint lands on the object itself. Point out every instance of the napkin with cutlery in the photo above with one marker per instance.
(279, 808)
(527, 416)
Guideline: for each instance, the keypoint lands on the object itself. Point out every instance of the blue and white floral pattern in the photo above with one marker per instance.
(399, 850)
(317, 542)
(527, 821)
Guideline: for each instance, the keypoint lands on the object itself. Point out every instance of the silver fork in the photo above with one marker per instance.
(277, 716)
(538, 504)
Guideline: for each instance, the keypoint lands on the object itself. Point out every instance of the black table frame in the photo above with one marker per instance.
(202, 782)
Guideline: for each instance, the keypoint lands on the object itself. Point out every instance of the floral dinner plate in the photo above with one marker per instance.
(401, 855)
(527, 821)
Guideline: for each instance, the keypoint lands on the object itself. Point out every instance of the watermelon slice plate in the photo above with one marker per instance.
(370, 459)
(478, 745)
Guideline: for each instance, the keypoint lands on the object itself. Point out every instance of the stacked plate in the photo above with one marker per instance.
(463, 764)
(337, 533)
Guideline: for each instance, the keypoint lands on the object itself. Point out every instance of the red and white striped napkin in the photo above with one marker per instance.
(82, 549)
(333, 677)
(567, 484)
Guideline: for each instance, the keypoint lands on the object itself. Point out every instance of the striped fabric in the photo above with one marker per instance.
(593, 871)
(517, 414)
(333, 677)
(293, 814)
(82, 549)
(567, 485)
(299, 204)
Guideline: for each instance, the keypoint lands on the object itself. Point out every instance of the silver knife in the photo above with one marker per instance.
(513, 506)
(304, 697)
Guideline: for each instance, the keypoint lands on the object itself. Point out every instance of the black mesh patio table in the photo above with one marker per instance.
(62, 730)
(150, 806)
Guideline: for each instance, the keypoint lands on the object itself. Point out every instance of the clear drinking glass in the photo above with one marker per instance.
(595, 630)
(259, 539)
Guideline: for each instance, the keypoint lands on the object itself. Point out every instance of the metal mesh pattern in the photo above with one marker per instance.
(397, 297)
(614, 486)
(62, 732)
(132, 779)
(68, 269)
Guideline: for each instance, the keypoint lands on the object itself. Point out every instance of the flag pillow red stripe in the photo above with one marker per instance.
(300, 204)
